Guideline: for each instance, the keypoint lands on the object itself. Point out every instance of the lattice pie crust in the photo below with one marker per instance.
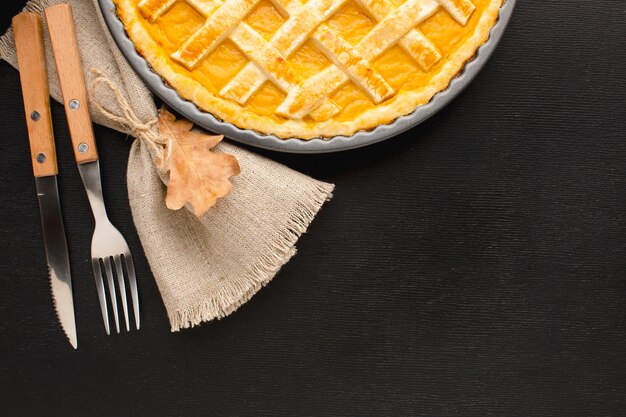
(311, 68)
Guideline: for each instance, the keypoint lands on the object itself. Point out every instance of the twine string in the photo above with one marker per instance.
(126, 116)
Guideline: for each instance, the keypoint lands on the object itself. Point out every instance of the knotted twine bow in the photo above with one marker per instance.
(128, 119)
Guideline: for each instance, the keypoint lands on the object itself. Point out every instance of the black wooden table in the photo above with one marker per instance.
(474, 266)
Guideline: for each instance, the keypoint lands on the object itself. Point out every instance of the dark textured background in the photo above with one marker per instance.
(474, 266)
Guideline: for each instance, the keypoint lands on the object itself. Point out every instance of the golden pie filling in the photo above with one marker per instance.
(305, 69)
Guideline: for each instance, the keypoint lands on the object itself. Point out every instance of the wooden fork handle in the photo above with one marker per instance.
(31, 60)
(67, 58)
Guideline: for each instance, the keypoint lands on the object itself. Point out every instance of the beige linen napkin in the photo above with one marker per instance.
(205, 268)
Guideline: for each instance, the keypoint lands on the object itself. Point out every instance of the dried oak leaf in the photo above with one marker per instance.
(198, 176)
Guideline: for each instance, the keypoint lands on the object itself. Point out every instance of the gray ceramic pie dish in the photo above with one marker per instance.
(294, 145)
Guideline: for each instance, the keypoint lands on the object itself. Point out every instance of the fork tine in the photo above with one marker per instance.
(132, 281)
(97, 273)
(122, 287)
(109, 272)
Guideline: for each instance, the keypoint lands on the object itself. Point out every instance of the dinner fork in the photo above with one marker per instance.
(109, 250)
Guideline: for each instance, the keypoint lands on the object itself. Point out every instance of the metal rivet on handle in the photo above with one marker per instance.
(41, 157)
(35, 115)
(74, 104)
(83, 147)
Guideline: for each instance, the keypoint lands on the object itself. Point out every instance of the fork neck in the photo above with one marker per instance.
(90, 174)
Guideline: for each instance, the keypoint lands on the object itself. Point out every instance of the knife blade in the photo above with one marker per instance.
(29, 45)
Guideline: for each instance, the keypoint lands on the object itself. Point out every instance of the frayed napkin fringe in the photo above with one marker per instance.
(234, 294)
(5, 45)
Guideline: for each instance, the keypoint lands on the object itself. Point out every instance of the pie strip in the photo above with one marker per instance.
(414, 42)
(152, 9)
(460, 10)
(217, 27)
(205, 7)
(353, 63)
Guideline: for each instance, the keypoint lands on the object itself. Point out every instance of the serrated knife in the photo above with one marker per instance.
(31, 60)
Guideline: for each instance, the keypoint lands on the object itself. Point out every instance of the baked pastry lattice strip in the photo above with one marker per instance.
(217, 27)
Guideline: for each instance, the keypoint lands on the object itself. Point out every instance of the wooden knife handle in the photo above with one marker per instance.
(67, 58)
(31, 60)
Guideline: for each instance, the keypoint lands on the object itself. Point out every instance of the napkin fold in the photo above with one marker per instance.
(205, 267)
